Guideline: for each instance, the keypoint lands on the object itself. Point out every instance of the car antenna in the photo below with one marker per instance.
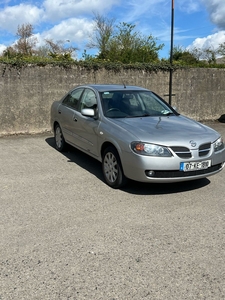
(124, 85)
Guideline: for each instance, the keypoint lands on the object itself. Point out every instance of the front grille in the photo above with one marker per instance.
(182, 174)
(182, 152)
(204, 149)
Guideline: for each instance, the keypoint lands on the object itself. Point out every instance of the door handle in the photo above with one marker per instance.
(59, 112)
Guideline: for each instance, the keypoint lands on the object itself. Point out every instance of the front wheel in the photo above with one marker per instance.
(112, 168)
(60, 143)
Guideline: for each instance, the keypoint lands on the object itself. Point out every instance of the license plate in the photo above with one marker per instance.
(193, 166)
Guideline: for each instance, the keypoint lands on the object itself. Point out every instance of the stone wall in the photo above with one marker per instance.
(27, 93)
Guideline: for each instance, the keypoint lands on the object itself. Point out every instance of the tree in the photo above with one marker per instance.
(26, 42)
(58, 51)
(133, 47)
(221, 49)
(122, 43)
(209, 54)
(9, 52)
(196, 52)
(42, 51)
(103, 31)
(130, 46)
(177, 52)
(183, 55)
(25, 45)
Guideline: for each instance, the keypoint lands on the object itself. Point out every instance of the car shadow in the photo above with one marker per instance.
(138, 188)
(81, 159)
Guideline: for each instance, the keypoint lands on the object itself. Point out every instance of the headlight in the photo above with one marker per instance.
(150, 149)
(218, 145)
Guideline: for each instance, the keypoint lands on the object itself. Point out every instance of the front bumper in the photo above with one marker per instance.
(167, 169)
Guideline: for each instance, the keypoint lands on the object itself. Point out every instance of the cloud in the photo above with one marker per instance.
(75, 30)
(161, 8)
(216, 10)
(52, 11)
(2, 48)
(190, 6)
(61, 9)
(53, 19)
(209, 42)
(135, 10)
(12, 16)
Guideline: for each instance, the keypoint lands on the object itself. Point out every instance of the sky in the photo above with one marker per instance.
(197, 23)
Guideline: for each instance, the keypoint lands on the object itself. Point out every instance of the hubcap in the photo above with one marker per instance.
(110, 167)
(58, 137)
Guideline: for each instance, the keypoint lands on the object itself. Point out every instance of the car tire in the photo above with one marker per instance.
(60, 143)
(112, 168)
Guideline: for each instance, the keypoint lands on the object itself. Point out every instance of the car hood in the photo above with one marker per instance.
(167, 130)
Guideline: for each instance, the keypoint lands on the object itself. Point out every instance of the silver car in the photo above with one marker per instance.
(136, 135)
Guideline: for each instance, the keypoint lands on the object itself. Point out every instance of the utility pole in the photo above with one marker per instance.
(171, 54)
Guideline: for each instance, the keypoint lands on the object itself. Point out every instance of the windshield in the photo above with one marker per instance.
(131, 104)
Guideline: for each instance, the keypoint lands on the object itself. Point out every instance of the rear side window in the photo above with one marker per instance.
(72, 98)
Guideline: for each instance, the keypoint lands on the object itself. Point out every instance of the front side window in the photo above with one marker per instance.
(88, 100)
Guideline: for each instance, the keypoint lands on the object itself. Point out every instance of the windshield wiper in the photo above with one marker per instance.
(139, 116)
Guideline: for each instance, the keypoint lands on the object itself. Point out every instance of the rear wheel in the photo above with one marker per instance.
(112, 168)
(60, 143)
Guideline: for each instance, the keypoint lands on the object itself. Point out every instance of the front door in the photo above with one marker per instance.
(86, 128)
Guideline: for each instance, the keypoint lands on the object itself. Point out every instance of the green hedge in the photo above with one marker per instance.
(94, 64)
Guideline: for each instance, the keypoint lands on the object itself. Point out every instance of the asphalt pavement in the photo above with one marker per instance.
(64, 234)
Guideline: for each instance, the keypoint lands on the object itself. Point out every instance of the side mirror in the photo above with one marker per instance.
(88, 112)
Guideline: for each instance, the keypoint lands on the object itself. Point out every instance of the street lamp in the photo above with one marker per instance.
(171, 54)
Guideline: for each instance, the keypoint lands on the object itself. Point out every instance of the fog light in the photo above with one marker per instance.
(150, 173)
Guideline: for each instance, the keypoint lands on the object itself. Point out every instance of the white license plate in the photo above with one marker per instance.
(193, 166)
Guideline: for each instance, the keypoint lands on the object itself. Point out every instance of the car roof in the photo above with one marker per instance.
(114, 87)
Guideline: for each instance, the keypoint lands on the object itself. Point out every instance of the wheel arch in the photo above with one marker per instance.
(54, 124)
(107, 144)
